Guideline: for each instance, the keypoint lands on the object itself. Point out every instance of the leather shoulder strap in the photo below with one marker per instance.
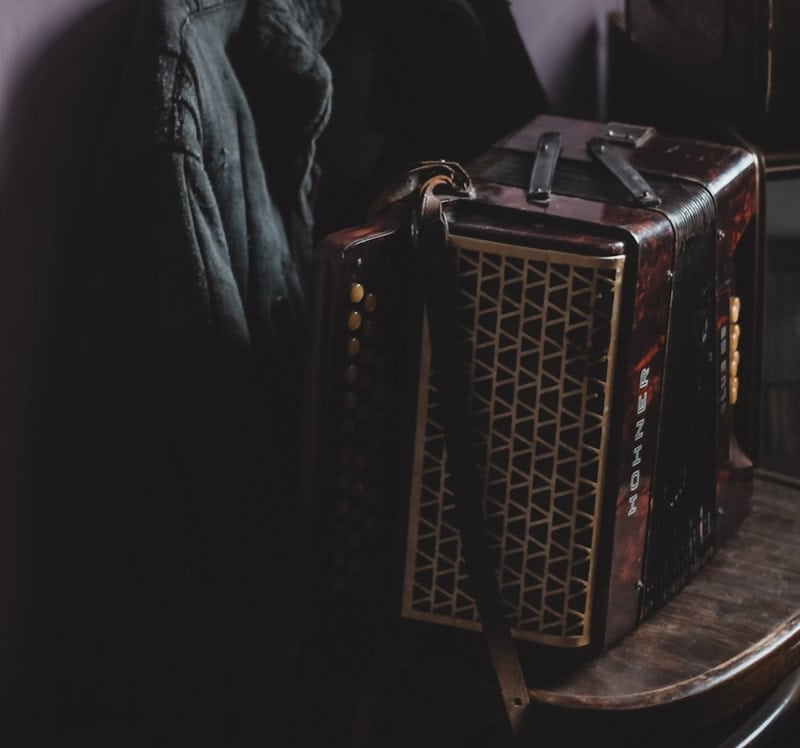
(437, 262)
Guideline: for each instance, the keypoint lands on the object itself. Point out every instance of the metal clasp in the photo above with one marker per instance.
(631, 136)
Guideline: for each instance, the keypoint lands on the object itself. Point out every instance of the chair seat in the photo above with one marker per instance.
(712, 653)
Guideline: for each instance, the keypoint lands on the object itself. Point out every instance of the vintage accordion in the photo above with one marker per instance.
(597, 326)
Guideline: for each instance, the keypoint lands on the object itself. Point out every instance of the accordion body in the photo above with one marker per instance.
(735, 58)
(599, 345)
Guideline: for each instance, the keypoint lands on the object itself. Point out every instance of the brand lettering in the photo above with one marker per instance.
(638, 441)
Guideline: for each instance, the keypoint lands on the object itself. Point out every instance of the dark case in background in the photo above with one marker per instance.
(644, 87)
(737, 58)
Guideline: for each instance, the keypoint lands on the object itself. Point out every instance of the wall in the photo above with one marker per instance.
(567, 43)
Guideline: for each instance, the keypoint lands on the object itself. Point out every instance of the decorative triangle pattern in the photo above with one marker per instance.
(540, 333)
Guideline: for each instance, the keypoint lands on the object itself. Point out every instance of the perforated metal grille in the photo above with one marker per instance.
(541, 330)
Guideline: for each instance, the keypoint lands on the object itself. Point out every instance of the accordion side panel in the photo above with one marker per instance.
(682, 529)
(539, 329)
(641, 383)
(358, 363)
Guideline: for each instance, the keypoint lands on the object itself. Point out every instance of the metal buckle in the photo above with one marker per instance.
(631, 136)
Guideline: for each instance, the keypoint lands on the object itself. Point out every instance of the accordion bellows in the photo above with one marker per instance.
(596, 338)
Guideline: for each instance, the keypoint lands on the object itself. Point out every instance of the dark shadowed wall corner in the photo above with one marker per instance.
(59, 60)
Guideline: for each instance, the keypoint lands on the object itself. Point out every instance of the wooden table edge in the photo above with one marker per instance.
(732, 682)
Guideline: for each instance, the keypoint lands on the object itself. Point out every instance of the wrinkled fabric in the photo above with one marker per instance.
(166, 524)
(177, 433)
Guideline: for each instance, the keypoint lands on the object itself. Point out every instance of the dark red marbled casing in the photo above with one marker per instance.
(728, 176)
(586, 222)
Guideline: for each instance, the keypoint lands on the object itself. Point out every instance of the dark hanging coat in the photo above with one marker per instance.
(171, 509)
(166, 488)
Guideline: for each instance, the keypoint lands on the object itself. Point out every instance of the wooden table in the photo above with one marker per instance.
(724, 650)
(702, 663)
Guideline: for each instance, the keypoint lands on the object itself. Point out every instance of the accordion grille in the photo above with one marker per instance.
(538, 329)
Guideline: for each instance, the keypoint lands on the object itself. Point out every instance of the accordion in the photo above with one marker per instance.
(596, 321)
